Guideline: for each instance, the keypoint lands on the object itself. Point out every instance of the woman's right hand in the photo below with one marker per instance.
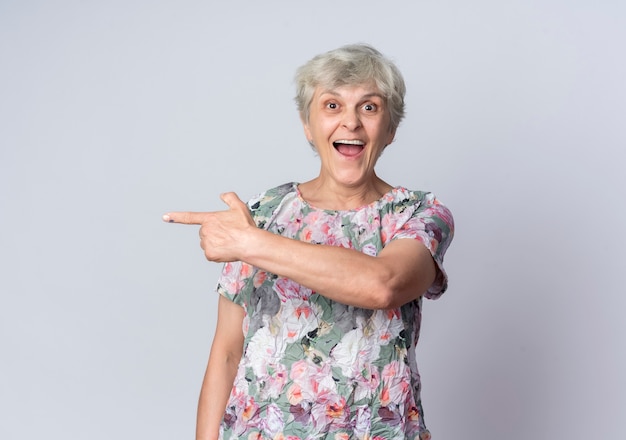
(222, 233)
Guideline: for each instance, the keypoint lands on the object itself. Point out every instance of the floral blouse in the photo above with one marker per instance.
(313, 368)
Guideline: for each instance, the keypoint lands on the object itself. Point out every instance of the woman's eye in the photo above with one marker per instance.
(331, 105)
(369, 107)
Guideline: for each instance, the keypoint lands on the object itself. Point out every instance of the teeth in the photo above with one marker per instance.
(350, 142)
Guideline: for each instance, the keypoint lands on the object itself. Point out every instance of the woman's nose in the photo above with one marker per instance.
(351, 120)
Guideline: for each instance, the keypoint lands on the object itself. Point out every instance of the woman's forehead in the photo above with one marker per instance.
(367, 90)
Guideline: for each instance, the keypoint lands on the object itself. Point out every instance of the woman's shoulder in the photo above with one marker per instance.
(401, 196)
(401, 200)
(423, 205)
(263, 205)
(272, 194)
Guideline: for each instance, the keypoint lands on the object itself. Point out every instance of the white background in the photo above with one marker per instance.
(114, 112)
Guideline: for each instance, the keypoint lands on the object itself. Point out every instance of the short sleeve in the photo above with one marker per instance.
(235, 281)
(432, 224)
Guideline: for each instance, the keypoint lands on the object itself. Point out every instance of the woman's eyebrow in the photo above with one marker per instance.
(373, 95)
(366, 96)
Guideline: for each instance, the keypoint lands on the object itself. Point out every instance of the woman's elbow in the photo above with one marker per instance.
(389, 295)
(393, 293)
(390, 298)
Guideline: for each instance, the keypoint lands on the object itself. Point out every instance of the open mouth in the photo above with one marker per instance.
(349, 147)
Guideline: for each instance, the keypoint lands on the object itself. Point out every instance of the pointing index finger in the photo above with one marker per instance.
(186, 218)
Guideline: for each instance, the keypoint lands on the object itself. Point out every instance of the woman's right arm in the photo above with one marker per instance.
(224, 359)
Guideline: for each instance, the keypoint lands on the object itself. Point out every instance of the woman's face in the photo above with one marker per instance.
(349, 127)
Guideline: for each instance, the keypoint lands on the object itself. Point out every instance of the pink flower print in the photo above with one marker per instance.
(298, 371)
(259, 278)
(291, 332)
(299, 318)
(246, 270)
(302, 375)
(390, 224)
(395, 384)
(313, 379)
(322, 379)
(385, 325)
(303, 309)
(314, 217)
(334, 240)
(288, 222)
(393, 314)
(273, 422)
(362, 422)
(318, 416)
(233, 276)
(250, 410)
(281, 436)
(292, 227)
(426, 232)
(307, 235)
(390, 371)
(384, 337)
(385, 398)
(329, 409)
(317, 228)
(229, 268)
(440, 211)
(288, 289)
(294, 394)
(336, 410)
(367, 383)
(275, 382)
(390, 196)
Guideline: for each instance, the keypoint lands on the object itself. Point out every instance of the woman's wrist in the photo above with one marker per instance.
(252, 243)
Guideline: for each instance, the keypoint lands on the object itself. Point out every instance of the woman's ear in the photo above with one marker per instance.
(391, 137)
(307, 129)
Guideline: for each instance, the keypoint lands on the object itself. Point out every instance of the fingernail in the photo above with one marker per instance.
(166, 218)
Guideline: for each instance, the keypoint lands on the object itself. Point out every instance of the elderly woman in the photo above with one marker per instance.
(325, 277)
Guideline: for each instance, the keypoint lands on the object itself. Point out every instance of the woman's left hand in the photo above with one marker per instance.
(222, 233)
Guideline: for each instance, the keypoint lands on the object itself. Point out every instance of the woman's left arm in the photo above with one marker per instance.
(400, 273)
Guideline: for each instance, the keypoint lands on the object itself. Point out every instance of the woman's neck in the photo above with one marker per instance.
(328, 194)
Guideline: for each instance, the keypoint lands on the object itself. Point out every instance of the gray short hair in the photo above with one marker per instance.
(353, 65)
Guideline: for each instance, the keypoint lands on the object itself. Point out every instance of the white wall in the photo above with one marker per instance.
(112, 113)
